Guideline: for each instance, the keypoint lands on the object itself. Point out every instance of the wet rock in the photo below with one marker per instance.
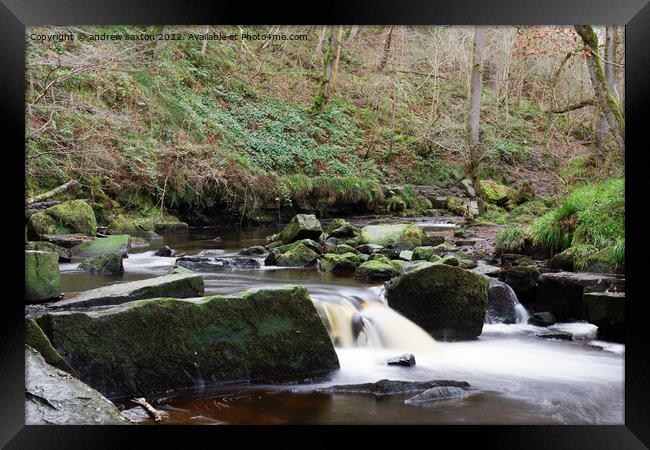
(392, 233)
(119, 243)
(369, 249)
(42, 279)
(386, 387)
(389, 253)
(432, 239)
(447, 302)
(54, 397)
(561, 335)
(36, 339)
(256, 250)
(450, 261)
(212, 264)
(401, 246)
(70, 217)
(423, 253)
(465, 242)
(137, 414)
(346, 230)
(542, 319)
(42, 246)
(177, 285)
(347, 262)
(501, 305)
(487, 270)
(164, 251)
(110, 264)
(445, 247)
(463, 233)
(377, 267)
(301, 226)
(437, 394)
(407, 359)
(67, 240)
(171, 343)
(406, 255)
(607, 311)
(178, 269)
(523, 279)
(341, 249)
(301, 253)
(170, 227)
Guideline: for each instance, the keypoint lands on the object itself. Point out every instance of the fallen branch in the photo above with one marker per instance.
(573, 107)
(49, 194)
(153, 412)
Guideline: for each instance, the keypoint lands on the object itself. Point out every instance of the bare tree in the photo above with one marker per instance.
(604, 96)
(473, 116)
(386, 53)
(325, 86)
(339, 44)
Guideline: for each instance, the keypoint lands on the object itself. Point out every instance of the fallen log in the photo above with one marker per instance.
(153, 412)
(49, 194)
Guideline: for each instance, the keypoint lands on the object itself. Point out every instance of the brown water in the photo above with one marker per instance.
(516, 378)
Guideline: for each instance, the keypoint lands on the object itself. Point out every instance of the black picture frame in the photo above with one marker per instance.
(16, 15)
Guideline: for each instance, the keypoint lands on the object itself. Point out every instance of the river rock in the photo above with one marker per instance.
(406, 255)
(110, 264)
(175, 285)
(607, 311)
(392, 233)
(523, 280)
(457, 206)
(119, 243)
(379, 268)
(211, 264)
(501, 302)
(560, 335)
(36, 339)
(42, 278)
(164, 251)
(445, 247)
(74, 216)
(170, 227)
(407, 359)
(301, 226)
(542, 319)
(341, 249)
(437, 394)
(54, 397)
(298, 254)
(493, 192)
(171, 343)
(386, 387)
(423, 253)
(431, 239)
(343, 231)
(447, 302)
(42, 246)
(401, 246)
(67, 240)
(347, 262)
(449, 260)
(255, 250)
(487, 270)
(369, 249)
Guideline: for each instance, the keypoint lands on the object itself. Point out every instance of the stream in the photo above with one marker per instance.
(517, 378)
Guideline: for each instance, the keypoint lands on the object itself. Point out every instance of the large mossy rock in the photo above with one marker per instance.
(110, 264)
(523, 279)
(377, 268)
(607, 311)
(54, 397)
(71, 217)
(42, 246)
(149, 346)
(494, 192)
(392, 233)
(179, 285)
(301, 253)
(42, 278)
(346, 262)
(446, 301)
(302, 226)
(119, 243)
(35, 338)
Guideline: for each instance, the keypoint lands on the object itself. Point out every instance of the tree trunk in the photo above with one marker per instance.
(324, 88)
(339, 44)
(159, 42)
(473, 115)
(353, 32)
(606, 101)
(204, 47)
(386, 52)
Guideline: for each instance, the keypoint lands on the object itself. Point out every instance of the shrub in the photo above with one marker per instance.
(510, 240)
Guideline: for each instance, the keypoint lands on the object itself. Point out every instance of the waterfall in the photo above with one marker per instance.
(371, 324)
(503, 305)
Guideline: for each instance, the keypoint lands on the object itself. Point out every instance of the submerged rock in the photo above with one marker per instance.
(392, 233)
(110, 264)
(437, 394)
(447, 302)
(54, 397)
(42, 246)
(386, 387)
(378, 267)
(149, 346)
(407, 359)
(211, 264)
(256, 250)
(542, 319)
(74, 216)
(561, 335)
(164, 251)
(347, 262)
(42, 278)
(176, 285)
(119, 243)
(301, 226)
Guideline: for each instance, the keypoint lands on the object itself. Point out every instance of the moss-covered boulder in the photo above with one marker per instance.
(607, 311)
(110, 264)
(432, 239)
(341, 249)
(377, 267)
(346, 262)
(301, 226)
(71, 217)
(301, 253)
(35, 338)
(494, 192)
(449, 260)
(42, 278)
(392, 233)
(342, 229)
(423, 253)
(178, 285)
(42, 246)
(445, 247)
(523, 280)
(448, 302)
(149, 346)
(457, 206)
(53, 397)
(119, 243)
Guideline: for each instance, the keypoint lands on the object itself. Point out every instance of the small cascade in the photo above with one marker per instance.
(371, 324)
(503, 305)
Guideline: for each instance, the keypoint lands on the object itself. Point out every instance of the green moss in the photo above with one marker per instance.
(35, 338)
(74, 216)
(109, 264)
(423, 253)
(301, 226)
(391, 233)
(346, 262)
(120, 244)
(378, 267)
(494, 192)
(42, 279)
